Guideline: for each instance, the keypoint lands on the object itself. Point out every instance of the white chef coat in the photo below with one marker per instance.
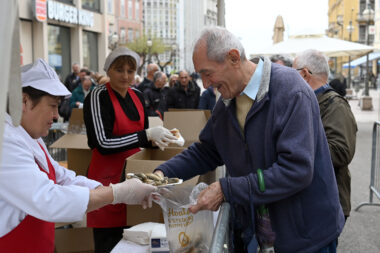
(26, 190)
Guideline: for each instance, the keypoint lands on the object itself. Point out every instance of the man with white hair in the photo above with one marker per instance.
(337, 119)
(268, 119)
(148, 80)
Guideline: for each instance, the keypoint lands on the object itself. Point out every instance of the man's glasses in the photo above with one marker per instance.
(306, 69)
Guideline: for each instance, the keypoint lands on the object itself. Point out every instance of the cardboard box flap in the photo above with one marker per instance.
(155, 121)
(74, 141)
(76, 117)
(189, 123)
(72, 240)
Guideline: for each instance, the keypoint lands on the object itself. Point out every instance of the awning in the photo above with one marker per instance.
(362, 60)
(331, 47)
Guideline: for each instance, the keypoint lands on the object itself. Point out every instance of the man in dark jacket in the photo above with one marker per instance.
(72, 77)
(148, 80)
(337, 119)
(185, 94)
(155, 95)
(207, 99)
(257, 125)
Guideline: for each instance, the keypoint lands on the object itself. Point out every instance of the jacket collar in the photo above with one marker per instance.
(264, 83)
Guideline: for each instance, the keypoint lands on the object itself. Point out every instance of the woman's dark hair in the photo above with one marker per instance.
(35, 95)
(120, 61)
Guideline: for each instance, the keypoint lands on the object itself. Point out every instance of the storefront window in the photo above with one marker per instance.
(90, 50)
(93, 5)
(59, 50)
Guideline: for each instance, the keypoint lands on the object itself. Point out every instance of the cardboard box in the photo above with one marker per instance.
(188, 122)
(75, 141)
(74, 240)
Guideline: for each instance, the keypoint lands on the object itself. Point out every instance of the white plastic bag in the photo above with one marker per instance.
(186, 232)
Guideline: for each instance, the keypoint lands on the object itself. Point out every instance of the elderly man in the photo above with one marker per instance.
(257, 125)
(80, 92)
(155, 95)
(185, 93)
(337, 119)
(148, 80)
(72, 77)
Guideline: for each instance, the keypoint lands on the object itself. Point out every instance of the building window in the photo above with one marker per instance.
(137, 34)
(130, 10)
(93, 5)
(137, 9)
(122, 8)
(122, 36)
(59, 50)
(110, 6)
(130, 34)
(90, 50)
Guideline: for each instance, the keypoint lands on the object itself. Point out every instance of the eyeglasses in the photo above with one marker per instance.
(308, 70)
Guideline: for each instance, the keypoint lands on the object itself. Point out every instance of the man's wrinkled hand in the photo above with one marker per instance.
(209, 199)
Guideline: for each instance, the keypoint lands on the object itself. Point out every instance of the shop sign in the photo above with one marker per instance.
(68, 14)
(40, 10)
(371, 30)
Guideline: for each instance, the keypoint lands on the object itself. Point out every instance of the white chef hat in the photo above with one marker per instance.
(120, 51)
(41, 76)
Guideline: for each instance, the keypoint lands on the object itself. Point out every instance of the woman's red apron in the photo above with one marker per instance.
(108, 168)
(31, 235)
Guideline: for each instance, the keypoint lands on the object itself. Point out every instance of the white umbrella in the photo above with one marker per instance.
(329, 46)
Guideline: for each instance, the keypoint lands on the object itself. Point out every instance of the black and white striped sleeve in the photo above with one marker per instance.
(99, 118)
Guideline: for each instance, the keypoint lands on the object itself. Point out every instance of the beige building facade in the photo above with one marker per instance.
(64, 32)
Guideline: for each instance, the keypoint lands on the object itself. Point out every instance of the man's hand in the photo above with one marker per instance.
(209, 199)
(159, 173)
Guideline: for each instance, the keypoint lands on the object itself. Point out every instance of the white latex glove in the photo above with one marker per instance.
(160, 136)
(132, 192)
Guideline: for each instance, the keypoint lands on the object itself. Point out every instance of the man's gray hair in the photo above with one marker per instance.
(313, 60)
(219, 41)
(157, 76)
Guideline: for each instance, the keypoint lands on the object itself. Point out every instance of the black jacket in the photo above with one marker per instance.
(181, 99)
(155, 100)
(146, 83)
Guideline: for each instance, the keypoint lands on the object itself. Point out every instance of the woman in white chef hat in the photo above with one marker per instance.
(35, 191)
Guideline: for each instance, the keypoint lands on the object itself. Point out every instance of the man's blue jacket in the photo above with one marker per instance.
(284, 136)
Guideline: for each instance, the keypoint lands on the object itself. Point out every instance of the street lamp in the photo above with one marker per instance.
(350, 28)
(149, 44)
(368, 15)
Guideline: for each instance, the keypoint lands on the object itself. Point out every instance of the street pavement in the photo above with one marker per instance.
(362, 230)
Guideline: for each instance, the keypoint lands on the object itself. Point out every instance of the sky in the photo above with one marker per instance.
(252, 21)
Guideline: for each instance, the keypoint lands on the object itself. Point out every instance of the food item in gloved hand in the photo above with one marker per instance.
(175, 132)
(153, 179)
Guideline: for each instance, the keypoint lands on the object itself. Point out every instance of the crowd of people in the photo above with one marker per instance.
(160, 90)
(257, 106)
